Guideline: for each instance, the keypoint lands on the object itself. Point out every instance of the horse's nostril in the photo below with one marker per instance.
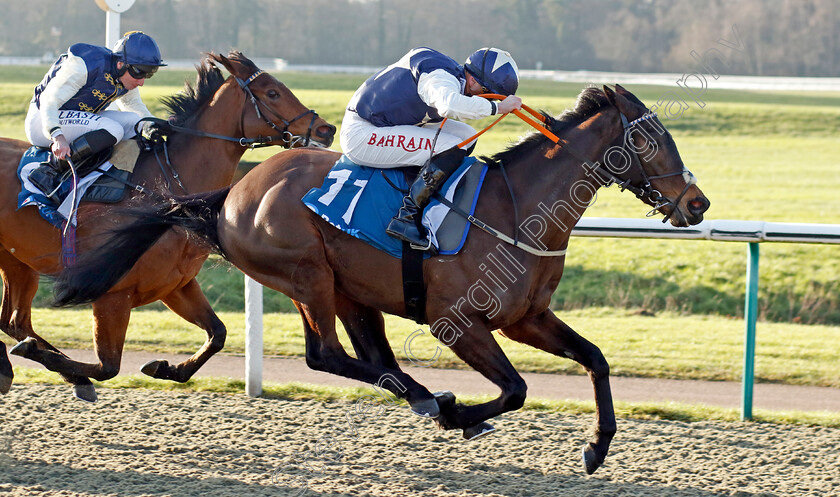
(326, 131)
(699, 205)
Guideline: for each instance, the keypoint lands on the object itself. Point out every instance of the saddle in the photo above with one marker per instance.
(106, 178)
(361, 201)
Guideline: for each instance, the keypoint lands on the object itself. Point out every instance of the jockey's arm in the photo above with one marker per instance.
(68, 80)
(441, 90)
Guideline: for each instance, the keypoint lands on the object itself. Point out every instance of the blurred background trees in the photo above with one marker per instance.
(781, 37)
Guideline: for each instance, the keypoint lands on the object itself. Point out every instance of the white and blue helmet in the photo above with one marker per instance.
(495, 70)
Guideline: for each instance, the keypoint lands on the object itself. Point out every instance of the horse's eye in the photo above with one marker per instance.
(272, 94)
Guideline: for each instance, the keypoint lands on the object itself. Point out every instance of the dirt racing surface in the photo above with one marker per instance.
(141, 442)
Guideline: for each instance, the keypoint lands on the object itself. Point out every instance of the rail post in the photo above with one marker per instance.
(750, 316)
(253, 337)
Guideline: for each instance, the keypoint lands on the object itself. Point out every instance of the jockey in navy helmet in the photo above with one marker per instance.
(68, 111)
(393, 120)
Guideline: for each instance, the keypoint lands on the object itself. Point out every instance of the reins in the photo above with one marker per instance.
(539, 121)
(644, 192)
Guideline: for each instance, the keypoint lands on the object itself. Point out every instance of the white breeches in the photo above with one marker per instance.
(398, 146)
(75, 123)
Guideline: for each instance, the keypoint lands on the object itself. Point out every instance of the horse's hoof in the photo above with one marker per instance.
(445, 398)
(85, 392)
(24, 347)
(155, 369)
(5, 384)
(590, 459)
(426, 409)
(478, 430)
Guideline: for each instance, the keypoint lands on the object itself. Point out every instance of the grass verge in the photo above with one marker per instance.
(668, 345)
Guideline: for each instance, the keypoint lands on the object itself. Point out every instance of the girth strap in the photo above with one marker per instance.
(414, 288)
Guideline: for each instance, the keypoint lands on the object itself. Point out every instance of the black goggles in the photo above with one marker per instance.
(140, 71)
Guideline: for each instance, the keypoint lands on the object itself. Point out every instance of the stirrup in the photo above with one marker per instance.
(421, 247)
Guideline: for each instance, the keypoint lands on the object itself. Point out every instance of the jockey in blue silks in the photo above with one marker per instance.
(67, 113)
(393, 120)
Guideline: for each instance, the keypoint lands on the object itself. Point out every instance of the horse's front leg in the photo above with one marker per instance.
(190, 303)
(547, 332)
(110, 321)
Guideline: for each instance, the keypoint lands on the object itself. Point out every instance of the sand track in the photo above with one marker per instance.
(141, 442)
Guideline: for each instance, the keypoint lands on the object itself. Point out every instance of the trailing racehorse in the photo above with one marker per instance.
(217, 119)
(262, 227)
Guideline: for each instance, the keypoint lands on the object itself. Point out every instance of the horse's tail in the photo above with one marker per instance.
(97, 270)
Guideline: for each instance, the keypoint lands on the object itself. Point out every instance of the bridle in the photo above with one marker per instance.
(285, 137)
(644, 190)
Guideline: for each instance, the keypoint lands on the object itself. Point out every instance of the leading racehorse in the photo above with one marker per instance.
(218, 119)
(261, 226)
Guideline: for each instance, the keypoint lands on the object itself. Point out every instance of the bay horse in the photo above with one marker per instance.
(261, 226)
(217, 118)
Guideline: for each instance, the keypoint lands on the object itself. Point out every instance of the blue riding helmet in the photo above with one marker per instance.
(140, 53)
(495, 70)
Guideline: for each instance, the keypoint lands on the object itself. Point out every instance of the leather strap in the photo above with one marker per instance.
(414, 288)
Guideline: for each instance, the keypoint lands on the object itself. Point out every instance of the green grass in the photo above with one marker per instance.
(669, 345)
(767, 156)
(303, 391)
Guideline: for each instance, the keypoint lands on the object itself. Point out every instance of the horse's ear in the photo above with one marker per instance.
(621, 90)
(226, 62)
(610, 94)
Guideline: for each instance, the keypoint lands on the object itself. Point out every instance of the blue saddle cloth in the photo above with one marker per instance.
(361, 201)
(94, 187)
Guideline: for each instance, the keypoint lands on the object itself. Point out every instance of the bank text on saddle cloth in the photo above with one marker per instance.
(361, 201)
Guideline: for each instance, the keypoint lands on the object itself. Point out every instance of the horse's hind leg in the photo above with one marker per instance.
(110, 321)
(6, 372)
(366, 329)
(190, 303)
(20, 283)
(547, 332)
(325, 353)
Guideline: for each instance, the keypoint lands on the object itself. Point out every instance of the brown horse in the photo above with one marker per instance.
(250, 106)
(262, 227)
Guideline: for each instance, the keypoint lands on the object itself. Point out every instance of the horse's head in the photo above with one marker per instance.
(645, 160)
(276, 112)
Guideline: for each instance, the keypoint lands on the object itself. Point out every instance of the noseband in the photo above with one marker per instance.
(285, 137)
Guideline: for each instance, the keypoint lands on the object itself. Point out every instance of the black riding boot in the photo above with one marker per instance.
(48, 176)
(406, 224)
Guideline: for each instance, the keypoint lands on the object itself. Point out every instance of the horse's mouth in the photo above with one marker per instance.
(317, 144)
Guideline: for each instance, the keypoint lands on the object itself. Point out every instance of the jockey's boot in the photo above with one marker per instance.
(406, 224)
(48, 176)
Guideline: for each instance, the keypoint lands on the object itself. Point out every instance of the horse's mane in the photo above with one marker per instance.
(590, 100)
(186, 104)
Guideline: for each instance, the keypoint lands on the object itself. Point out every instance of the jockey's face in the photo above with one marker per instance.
(127, 80)
(473, 87)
